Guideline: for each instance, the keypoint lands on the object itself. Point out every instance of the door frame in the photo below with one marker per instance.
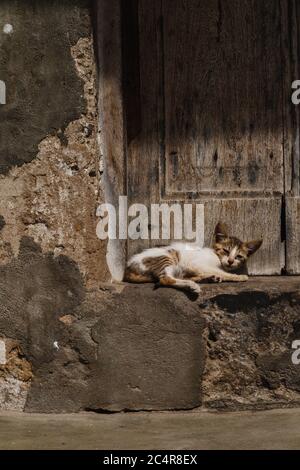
(112, 135)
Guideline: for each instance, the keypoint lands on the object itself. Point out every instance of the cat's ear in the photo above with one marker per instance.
(253, 246)
(221, 232)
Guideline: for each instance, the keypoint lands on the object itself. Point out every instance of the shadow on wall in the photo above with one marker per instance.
(43, 90)
(36, 291)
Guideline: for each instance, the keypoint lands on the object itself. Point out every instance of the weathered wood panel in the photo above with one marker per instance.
(223, 97)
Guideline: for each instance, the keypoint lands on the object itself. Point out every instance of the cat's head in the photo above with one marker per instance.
(232, 252)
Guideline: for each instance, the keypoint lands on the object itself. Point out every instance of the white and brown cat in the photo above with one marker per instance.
(183, 265)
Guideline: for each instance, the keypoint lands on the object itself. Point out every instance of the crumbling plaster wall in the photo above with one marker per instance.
(50, 182)
(50, 169)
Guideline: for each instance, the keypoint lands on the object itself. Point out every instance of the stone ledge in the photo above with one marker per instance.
(133, 347)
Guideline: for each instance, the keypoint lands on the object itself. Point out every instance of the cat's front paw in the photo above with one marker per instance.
(194, 288)
(215, 278)
(243, 278)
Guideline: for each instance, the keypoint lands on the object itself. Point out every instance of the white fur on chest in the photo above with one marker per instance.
(199, 259)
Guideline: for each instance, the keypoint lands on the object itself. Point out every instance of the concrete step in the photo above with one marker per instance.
(180, 430)
(133, 347)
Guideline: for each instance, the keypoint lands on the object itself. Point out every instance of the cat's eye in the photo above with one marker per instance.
(240, 257)
(226, 251)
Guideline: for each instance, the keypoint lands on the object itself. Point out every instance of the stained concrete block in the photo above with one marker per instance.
(151, 353)
(130, 350)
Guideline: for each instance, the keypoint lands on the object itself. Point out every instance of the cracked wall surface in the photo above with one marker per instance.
(50, 174)
(50, 182)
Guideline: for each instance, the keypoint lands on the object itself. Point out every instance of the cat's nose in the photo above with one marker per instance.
(230, 262)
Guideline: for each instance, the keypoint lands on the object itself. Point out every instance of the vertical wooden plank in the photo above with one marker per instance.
(293, 235)
(143, 148)
(112, 140)
(290, 72)
(290, 13)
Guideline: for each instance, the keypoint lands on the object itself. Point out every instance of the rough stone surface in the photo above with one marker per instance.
(2, 222)
(249, 335)
(13, 394)
(15, 376)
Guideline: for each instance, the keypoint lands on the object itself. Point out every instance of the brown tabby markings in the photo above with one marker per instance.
(232, 253)
(132, 274)
(155, 269)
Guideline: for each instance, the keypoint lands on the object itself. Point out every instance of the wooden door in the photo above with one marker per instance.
(203, 95)
(204, 101)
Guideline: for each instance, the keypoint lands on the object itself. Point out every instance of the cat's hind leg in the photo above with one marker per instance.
(199, 277)
(167, 279)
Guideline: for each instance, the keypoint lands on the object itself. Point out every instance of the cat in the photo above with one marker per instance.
(183, 265)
